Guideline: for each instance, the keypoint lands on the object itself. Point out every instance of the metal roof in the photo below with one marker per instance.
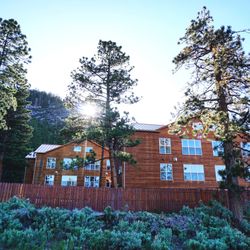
(146, 127)
(45, 148)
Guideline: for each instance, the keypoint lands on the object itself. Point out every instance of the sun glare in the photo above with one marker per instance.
(88, 109)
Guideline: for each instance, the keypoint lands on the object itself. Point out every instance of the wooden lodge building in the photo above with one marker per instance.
(52, 165)
(163, 160)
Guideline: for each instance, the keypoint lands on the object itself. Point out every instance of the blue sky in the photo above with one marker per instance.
(60, 32)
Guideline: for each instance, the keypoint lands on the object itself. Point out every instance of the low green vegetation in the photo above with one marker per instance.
(23, 226)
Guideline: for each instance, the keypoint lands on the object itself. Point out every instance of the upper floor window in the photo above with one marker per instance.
(218, 168)
(191, 147)
(49, 180)
(88, 149)
(166, 173)
(165, 145)
(93, 166)
(218, 149)
(69, 180)
(197, 126)
(91, 181)
(77, 148)
(245, 149)
(51, 162)
(193, 172)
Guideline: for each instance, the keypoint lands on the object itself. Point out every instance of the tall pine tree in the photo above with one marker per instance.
(18, 136)
(14, 54)
(105, 80)
(219, 94)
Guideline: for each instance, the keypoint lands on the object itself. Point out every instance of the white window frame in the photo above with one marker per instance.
(217, 168)
(165, 145)
(51, 162)
(192, 146)
(193, 172)
(166, 172)
(88, 149)
(245, 145)
(77, 149)
(93, 166)
(49, 180)
(218, 149)
(91, 181)
(69, 180)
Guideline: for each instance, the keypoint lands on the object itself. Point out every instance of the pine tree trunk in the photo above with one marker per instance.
(235, 204)
(234, 193)
(114, 182)
(229, 153)
(102, 183)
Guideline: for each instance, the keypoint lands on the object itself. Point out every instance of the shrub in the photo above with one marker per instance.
(22, 226)
(22, 239)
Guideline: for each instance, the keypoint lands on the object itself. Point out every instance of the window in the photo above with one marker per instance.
(108, 167)
(166, 173)
(51, 162)
(69, 180)
(120, 170)
(88, 149)
(218, 149)
(91, 181)
(165, 145)
(77, 148)
(218, 168)
(191, 147)
(245, 149)
(108, 184)
(194, 172)
(49, 180)
(93, 166)
(197, 126)
(67, 163)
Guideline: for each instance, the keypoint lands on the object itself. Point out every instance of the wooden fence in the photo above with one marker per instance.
(136, 199)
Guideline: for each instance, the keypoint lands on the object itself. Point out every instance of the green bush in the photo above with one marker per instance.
(22, 226)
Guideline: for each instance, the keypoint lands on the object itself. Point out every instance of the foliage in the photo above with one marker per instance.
(80, 162)
(104, 80)
(22, 226)
(15, 131)
(14, 53)
(218, 95)
(48, 118)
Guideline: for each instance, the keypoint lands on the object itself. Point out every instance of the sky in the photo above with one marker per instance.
(60, 32)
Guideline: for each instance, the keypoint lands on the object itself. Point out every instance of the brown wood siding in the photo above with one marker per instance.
(146, 173)
(66, 151)
(29, 170)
